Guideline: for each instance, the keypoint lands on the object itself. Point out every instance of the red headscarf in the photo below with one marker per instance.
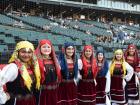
(136, 58)
(40, 59)
(92, 62)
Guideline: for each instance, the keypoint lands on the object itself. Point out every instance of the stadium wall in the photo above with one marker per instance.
(112, 5)
(119, 5)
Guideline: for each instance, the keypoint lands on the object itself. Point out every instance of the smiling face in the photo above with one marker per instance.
(118, 56)
(131, 51)
(46, 49)
(100, 56)
(88, 53)
(25, 55)
(70, 51)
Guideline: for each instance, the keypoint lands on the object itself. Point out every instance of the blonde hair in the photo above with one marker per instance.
(22, 67)
(119, 51)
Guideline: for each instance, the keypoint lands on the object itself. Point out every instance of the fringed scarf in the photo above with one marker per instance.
(136, 58)
(92, 62)
(52, 55)
(63, 61)
(105, 66)
(112, 66)
(22, 67)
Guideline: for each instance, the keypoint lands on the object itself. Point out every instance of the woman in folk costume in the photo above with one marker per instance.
(69, 70)
(120, 72)
(87, 85)
(50, 72)
(22, 75)
(131, 57)
(103, 80)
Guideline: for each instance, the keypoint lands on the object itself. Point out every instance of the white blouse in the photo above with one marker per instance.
(8, 74)
(3, 96)
(80, 66)
(130, 72)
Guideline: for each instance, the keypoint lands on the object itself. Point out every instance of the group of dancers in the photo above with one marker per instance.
(39, 77)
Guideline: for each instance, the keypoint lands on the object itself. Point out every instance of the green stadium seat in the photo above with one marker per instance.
(3, 48)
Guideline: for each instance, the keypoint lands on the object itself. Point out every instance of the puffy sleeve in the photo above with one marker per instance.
(109, 64)
(130, 72)
(107, 88)
(80, 64)
(3, 96)
(9, 73)
(108, 79)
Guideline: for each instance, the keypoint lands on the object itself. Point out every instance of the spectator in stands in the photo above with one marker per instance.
(87, 85)
(109, 39)
(20, 24)
(120, 72)
(70, 66)
(137, 25)
(62, 22)
(126, 36)
(22, 75)
(115, 36)
(98, 39)
(132, 33)
(50, 72)
(15, 23)
(103, 80)
(131, 23)
(88, 32)
(131, 56)
(46, 27)
(76, 26)
(105, 39)
(137, 35)
(26, 14)
(121, 36)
